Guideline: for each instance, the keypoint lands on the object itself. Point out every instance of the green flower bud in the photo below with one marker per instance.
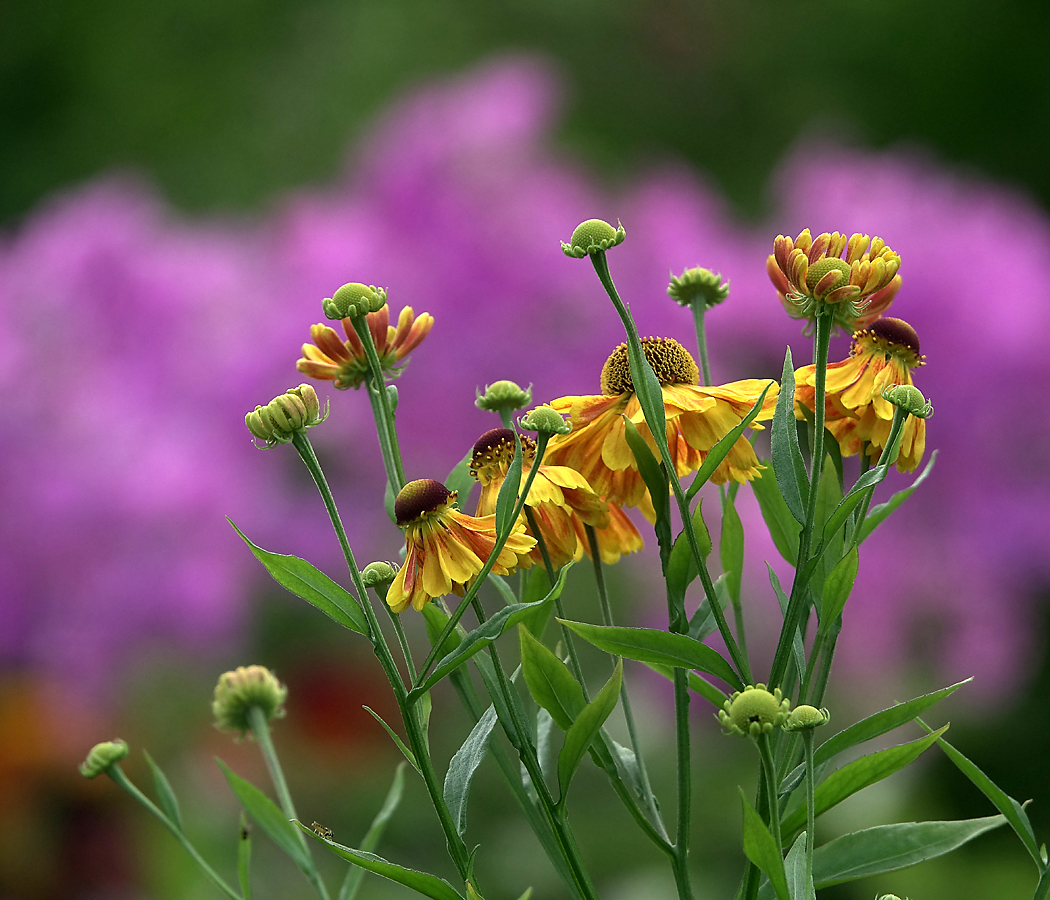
(806, 717)
(293, 411)
(909, 398)
(354, 299)
(593, 236)
(378, 574)
(245, 687)
(888, 897)
(503, 395)
(698, 286)
(754, 711)
(102, 756)
(545, 419)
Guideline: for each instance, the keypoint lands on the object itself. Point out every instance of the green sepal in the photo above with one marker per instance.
(788, 466)
(586, 727)
(761, 849)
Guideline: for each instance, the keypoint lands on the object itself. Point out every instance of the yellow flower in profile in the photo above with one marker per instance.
(560, 500)
(882, 355)
(697, 418)
(445, 549)
(332, 359)
(810, 272)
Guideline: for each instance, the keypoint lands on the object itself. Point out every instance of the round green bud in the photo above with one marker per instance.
(817, 279)
(888, 897)
(698, 286)
(378, 574)
(909, 398)
(806, 717)
(293, 411)
(503, 395)
(102, 756)
(545, 419)
(754, 711)
(354, 299)
(593, 236)
(237, 692)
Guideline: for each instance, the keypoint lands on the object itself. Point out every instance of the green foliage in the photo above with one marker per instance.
(788, 466)
(586, 728)
(762, 850)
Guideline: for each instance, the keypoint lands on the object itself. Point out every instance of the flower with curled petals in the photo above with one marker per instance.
(330, 358)
(698, 417)
(812, 277)
(856, 413)
(445, 549)
(560, 502)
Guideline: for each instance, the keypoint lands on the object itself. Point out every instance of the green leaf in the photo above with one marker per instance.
(499, 701)
(586, 728)
(464, 764)
(649, 645)
(879, 513)
(536, 587)
(788, 467)
(783, 528)
(356, 875)
(681, 565)
(421, 882)
(857, 775)
(485, 634)
(830, 549)
(1010, 808)
(389, 499)
(461, 481)
(837, 588)
(703, 621)
(761, 849)
(312, 585)
(435, 619)
(268, 816)
(798, 649)
(731, 549)
(799, 887)
(508, 492)
(244, 857)
(165, 795)
(500, 584)
(703, 687)
(721, 450)
(646, 386)
(549, 680)
(409, 755)
(655, 478)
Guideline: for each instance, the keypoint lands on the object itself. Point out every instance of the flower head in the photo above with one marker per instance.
(545, 419)
(806, 717)
(102, 756)
(881, 356)
(754, 711)
(698, 286)
(354, 299)
(560, 502)
(332, 359)
(239, 691)
(811, 276)
(503, 395)
(293, 411)
(697, 418)
(593, 236)
(444, 548)
(909, 398)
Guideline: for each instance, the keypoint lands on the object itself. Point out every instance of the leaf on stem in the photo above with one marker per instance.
(408, 754)
(681, 565)
(696, 683)
(464, 764)
(731, 549)
(837, 588)
(655, 477)
(798, 649)
(703, 623)
(549, 681)
(508, 492)
(762, 850)
(783, 528)
(788, 466)
(165, 795)
(586, 727)
(244, 857)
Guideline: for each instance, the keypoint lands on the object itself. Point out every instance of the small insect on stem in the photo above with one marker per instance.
(320, 829)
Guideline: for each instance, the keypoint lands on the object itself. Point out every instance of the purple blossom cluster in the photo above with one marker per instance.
(133, 342)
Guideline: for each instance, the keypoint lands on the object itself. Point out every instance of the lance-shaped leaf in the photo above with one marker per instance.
(837, 588)
(878, 514)
(165, 795)
(799, 886)
(421, 882)
(731, 549)
(464, 764)
(650, 646)
(681, 565)
(244, 857)
(395, 737)
(798, 649)
(586, 728)
(356, 875)
(761, 849)
(788, 467)
(435, 619)
(783, 528)
(857, 775)
(656, 481)
(549, 680)
(312, 585)
(507, 498)
(703, 623)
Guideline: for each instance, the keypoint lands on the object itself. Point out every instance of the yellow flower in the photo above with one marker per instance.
(697, 418)
(883, 354)
(560, 500)
(810, 272)
(344, 362)
(444, 548)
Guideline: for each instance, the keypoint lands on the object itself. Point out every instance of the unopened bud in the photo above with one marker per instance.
(545, 419)
(102, 756)
(754, 711)
(354, 299)
(293, 411)
(378, 574)
(698, 286)
(910, 399)
(593, 236)
(503, 395)
(806, 717)
(237, 692)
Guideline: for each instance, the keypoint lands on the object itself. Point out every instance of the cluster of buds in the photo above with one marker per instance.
(354, 299)
(698, 287)
(812, 277)
(293, 411)
(593, 236)
(754, 711)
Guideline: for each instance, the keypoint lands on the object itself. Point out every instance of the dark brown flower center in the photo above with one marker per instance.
(669, 359)
(896, 331)
(494, 450)
(423, 495)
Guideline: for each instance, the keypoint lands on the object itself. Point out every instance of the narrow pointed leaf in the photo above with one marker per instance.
(244, 857)
(799, 887)
(761, 849)
(783, 528)
(879, 514)
(798, 649)
(549, 681)
(508, 492)
(435, 619)
(649, 645)
(586, 728)
(395, 737)
(464, 764)
(788, 467)
(703, 623)
(312, 585)
(681, 566)
(656, 481)
(268, 816)
(731, 549)
(165, 795)
(837, 588)
(354, 877)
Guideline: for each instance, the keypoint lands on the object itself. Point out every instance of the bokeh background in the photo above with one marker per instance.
(184, 181)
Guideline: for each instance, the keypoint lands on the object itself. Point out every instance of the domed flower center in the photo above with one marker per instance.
(818, 275)
(419, 497)
(894, 337)
(669, 359)
(494, 451)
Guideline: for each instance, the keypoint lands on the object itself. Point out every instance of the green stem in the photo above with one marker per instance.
(699, 309)
(900, 416)
(406, 650)
(506, 417)
(769, 773)
(811, 818)
(118, 776)
(680, 866)
(384, 415)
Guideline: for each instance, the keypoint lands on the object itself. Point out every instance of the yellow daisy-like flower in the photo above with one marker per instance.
(445, 549)
(332, 359)
(810, 272)
(697, 418)
(560, 500)
(882, 355)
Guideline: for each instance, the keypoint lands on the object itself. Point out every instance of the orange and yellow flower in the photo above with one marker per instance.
(882, 355)
(697, 418)
(332, 359)
(560, 501)
(810, 272)
(445, 549)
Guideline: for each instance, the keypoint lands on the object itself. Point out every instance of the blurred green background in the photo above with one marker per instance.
(225, 104)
